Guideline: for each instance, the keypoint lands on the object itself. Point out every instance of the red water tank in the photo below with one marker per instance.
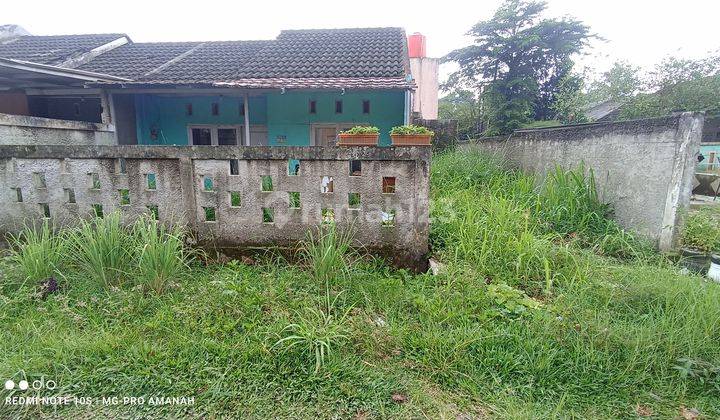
(416, 45)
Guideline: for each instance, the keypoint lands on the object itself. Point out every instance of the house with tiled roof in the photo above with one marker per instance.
(300, 88)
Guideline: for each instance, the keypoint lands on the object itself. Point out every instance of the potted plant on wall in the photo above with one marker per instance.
(359, 136)
(411, 135)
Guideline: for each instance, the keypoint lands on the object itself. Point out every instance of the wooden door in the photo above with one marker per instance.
(325, 136)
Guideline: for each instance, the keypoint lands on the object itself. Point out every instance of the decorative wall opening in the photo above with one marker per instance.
(388, 185)
(293, 167)
(266, 183)
(268, 215)
(98, 210)
(39, 180)
(45, 210)
(124, 197)
(210, 214)
(69, 195)
(151, 181)
(94, 180)
(294, 200)
(234, 167)
(354, 200)
(235, 198)
(326, 185)
(355, 168)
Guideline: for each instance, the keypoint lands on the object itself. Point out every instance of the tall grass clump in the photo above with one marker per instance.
(102, 250)
(38, 252)
(327, 253)
(318, 332)
(569, 204)
(160, 253)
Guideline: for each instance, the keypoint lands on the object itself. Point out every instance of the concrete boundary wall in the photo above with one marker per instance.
(644, 168)
(26, 130)
(218, 191)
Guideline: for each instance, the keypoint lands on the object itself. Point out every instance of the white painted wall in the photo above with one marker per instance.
(425, 99)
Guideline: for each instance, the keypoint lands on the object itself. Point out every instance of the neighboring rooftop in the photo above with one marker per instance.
(603, 111)
(54, 49)
(295, 56)
(12, 31)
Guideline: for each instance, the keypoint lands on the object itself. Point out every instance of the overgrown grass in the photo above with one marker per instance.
(528, 318)
(702, 230)
(103, 252)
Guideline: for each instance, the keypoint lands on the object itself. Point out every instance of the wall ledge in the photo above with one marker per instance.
(597, 129)
(39, 122)
(217, 152)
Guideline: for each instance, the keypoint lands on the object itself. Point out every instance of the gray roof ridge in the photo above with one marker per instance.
(359, 28)
(62, 35)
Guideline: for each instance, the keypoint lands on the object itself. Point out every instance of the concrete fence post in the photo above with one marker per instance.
(187, 189)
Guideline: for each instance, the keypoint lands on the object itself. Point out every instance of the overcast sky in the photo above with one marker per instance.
(640, 31)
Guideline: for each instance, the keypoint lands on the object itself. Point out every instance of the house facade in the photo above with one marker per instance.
(299, 89)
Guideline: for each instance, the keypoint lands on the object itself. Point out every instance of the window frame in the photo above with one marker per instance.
(239, 133)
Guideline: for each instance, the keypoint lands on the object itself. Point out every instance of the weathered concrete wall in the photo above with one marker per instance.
(20, 129)
(643, 167)
(181, 192)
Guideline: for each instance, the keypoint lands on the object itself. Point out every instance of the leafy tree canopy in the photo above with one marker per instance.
(620, 83)
(517, 63)
(678, 85)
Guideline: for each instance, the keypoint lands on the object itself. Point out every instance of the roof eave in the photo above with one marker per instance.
(269, 84)
(46, 69)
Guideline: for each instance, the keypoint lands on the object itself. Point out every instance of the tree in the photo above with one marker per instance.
(462, 105)
(570, 102)
(678, 85)
(672, 71)
(517, 62)
(620, 83)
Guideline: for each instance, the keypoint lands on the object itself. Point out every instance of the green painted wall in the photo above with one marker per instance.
(167, 115)
(289, 116)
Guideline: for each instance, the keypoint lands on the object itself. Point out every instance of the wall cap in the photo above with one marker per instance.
(39, 122)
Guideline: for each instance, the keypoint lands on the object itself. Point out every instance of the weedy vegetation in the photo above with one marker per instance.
(543, 307)
(702, 230)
